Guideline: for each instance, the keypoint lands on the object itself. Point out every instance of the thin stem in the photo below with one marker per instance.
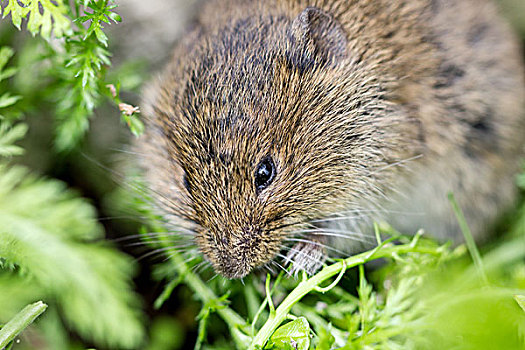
(334, 283)
(264, 302)
(471, 245)
(308, 285)
(269, 295)
(206, 295)
(21, 320)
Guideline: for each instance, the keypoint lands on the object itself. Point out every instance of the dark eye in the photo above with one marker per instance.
(186, 182)
(264, 174)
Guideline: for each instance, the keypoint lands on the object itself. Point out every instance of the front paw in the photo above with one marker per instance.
(308, 256)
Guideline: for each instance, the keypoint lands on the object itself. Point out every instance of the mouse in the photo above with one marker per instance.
(282, 129)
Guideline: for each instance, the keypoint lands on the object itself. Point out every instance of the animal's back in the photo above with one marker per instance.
(474, 120)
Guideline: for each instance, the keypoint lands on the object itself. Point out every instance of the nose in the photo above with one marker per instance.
(236, 255)
(232, 265)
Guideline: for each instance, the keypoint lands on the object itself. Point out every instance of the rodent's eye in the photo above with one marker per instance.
(186, 182)
(264, 174)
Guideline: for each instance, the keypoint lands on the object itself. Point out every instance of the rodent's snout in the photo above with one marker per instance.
(235, 254)
(232, 266)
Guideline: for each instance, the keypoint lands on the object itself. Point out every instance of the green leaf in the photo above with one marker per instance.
(78, 67)
(51, 234)
(82, 19)
(101, 13)
(292, 335)
(520, 299)
(20, 322)
(8, 73)
(115, 17)
(5, 55)
(325, 340)
(8, 136)
(18, 13)
(52, 18)
(166, 293)
(70, 130)
(7, 100)
(101, 36)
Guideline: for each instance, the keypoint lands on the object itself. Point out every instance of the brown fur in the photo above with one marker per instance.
(361, 104)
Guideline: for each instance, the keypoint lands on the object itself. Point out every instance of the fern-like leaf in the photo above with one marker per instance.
(53, 17)
(8, 136)
(50, 234)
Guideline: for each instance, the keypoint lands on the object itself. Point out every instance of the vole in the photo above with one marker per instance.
(281, 128)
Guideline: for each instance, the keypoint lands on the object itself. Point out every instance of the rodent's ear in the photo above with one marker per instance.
(318, 36)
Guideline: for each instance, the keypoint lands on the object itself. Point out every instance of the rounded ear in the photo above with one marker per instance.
(316, 36)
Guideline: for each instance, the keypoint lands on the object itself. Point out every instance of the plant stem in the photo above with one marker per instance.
(21, 320)
(205, 294)
(471, 245)
(306, 286)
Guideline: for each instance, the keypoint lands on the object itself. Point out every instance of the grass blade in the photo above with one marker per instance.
(21, 320)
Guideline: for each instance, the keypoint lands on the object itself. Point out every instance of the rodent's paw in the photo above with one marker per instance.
(308, 256)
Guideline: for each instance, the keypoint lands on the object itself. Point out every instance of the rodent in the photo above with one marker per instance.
(280, 118)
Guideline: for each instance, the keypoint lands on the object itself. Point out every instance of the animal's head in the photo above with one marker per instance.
(260, 127)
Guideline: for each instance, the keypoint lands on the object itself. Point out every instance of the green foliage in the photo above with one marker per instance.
(49, 251)
(53, 17)
(50, 235)
(429, 297)
(17, 324)
(166, 334)
(211, 305)
(520, 299)
(8, 136)
(77, 65)
(101, 13)
(6, 99)
(290, 336)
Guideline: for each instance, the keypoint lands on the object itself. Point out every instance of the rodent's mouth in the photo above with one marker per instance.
(231, 265)
(233, 271)
(236, 262)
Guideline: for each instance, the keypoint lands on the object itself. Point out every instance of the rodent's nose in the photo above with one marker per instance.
(232, 265)
(233, 272)
(234, 258)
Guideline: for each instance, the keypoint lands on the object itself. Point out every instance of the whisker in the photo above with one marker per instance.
(185, 261)
(182, 245)
(122, 217)
(153, 252)
(195, 269)
(349, 235)
(317, 244)
(138, 189)
(120, 150)
(398, 163)
(342, 218)
(330, 230)
(267, 266)
(356, 238)
(286, 259)
(281, 267)
(150, 235)
(298, 253)
(288, 225)
(206, 266)
(212, 278)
